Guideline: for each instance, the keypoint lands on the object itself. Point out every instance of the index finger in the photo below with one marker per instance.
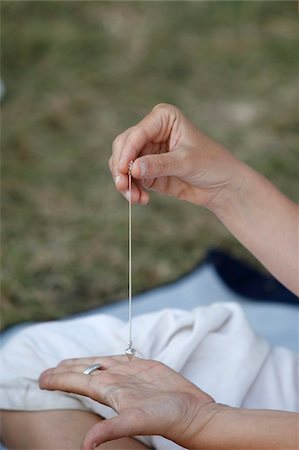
(155, 127)
(75, 383)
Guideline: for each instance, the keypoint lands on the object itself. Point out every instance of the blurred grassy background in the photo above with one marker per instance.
(76, 75)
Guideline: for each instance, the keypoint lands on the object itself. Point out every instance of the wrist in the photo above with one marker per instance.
(231, 193)
(204, 429)
(194, 420)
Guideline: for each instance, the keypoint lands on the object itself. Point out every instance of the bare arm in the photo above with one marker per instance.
(265, 221)
(248, 429)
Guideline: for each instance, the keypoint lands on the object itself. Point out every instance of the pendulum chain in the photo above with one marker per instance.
(130, 255)
(130, 351)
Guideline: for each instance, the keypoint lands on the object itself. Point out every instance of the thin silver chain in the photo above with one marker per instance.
(130, 351)
(130, 255)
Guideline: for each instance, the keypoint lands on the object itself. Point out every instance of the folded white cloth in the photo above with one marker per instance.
(212, 346)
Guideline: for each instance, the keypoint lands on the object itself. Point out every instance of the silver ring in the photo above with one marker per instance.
(92, 368)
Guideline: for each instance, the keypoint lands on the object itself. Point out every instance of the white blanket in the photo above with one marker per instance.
(212, 346)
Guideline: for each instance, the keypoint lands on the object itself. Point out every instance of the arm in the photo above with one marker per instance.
(152, 399)
(248, 429)
(265, 222)
(171, 156)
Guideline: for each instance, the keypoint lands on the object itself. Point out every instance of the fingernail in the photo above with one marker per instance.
(142, 168)
(117, 179)
(128, 196)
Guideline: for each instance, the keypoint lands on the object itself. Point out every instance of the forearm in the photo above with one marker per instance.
(264, 221)
(238, 429)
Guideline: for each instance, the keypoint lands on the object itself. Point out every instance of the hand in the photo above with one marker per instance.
(172, 157)
(149, 397)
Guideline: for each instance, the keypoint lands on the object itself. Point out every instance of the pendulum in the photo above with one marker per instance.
(130, 351)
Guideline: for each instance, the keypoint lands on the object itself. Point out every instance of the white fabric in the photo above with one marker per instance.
(277, 322)
(212, 346)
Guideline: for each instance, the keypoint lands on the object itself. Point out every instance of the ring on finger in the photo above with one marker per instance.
(92, 368)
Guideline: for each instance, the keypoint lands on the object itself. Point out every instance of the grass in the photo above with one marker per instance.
(77, 74)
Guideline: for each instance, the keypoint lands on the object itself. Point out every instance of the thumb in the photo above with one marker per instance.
(155, 166)
(117, 427)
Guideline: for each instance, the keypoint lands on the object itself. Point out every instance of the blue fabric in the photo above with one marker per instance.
(249, 282)
(270, 308)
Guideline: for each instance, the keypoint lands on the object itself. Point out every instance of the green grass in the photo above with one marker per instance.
(77, 74)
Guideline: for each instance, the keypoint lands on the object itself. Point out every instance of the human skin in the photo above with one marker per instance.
(55, 430)
(173, 157)
(152, 399)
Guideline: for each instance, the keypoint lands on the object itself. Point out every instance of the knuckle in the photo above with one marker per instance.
(64, 362)
(161, 165)
(147, 183)
(120, 139)
(116, 142)
(134, 132)
(165, 107)
(109, 429)
(162, 106)
(133, 129)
